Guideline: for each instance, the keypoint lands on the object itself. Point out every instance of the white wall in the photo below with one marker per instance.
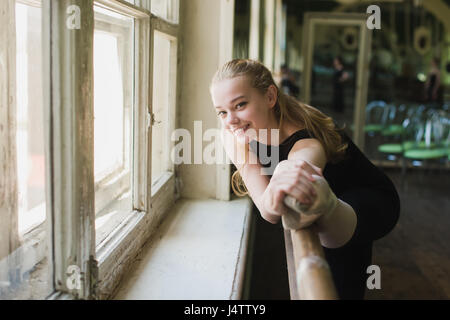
(206, 43)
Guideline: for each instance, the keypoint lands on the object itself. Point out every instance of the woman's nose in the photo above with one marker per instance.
(232, 119)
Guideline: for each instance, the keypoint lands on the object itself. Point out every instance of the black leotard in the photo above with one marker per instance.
(356, 181)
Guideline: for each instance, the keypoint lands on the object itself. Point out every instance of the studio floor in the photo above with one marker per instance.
(415, 257)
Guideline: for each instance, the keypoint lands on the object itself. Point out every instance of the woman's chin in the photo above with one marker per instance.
(243, 139)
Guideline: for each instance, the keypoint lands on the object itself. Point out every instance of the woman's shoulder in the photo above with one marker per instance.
(297, 135)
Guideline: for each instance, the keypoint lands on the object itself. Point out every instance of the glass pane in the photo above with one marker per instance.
(166, 9)
(161, 105)
(109, 107)
(333, 74)
(241, 32)
(113, 119)
(24, 268)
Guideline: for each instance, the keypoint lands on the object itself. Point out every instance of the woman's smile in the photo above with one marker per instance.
(240, 130)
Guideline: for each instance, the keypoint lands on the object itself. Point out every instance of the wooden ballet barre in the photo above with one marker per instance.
(309, 273)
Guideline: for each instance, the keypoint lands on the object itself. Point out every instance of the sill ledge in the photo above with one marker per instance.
(198, 253)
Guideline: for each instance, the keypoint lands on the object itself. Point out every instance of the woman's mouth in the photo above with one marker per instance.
(241, 130)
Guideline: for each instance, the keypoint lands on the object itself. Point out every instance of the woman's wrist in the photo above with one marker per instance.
(265, 214)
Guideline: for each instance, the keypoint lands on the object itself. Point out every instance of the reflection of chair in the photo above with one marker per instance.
(394, 119)
(376, 115)
(429, 143)
(441, 129)
(399, 120)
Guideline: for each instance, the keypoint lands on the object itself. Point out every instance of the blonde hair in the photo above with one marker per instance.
(287, 108)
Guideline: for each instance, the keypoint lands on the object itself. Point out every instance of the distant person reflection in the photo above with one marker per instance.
(288, 82)
(433, 82)
(339, 77)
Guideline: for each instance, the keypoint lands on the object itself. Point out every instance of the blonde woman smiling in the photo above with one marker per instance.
(356, 203)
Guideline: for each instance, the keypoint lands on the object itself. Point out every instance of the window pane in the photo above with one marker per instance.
(113, 119)
(166, 9)
(24, 269)
(109, 111)
(162, 90)
(30, 122)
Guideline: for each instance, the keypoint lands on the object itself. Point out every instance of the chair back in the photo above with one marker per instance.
(376, 112)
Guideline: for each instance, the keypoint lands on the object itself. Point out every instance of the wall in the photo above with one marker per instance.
(206, 42)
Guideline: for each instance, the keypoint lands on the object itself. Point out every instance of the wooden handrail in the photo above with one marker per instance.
(309, 273)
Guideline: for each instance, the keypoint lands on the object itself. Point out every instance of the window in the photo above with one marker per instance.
(75, 141)
(164, 96)
(113, 119)
(23, 250)
(166, 9)
(29, 115)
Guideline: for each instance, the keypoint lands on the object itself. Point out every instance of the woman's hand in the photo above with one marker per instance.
(237, 150)
(294, 178)
(323, 207)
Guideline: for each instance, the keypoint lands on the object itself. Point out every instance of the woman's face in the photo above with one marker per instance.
(243, 110)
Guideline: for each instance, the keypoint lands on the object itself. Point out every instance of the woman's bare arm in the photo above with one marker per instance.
(250, 171)
(335, 228)
(268, 195)
(256, 184)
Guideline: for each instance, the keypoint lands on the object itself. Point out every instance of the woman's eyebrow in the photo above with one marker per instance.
(236, 99)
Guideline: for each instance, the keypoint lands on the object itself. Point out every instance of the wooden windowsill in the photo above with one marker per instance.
(198, 252)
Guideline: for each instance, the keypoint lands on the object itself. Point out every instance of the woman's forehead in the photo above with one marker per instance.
(224, 91)
(236, 83)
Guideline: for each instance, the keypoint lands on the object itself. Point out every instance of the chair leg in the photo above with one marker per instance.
(403, 175)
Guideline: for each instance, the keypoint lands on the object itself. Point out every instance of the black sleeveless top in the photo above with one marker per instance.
(356, 181)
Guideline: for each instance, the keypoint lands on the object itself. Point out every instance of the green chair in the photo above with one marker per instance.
(393, 120)
(376, 114)
(392, 145)
(430, 143)
(398, 135)
(392, 130)
(426, 154)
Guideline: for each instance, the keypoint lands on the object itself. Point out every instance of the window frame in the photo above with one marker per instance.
(112, 184)
(169, 32)
(91, 258)
(69, 147)
(115, 254)
(29, 248)
(112, 252)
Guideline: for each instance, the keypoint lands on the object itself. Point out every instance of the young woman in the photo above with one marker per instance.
(358, 203)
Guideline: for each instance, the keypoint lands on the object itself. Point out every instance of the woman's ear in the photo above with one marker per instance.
(272, 94)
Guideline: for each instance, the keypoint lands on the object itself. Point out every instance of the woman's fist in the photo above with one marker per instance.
(294, 178)
(303, 215)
